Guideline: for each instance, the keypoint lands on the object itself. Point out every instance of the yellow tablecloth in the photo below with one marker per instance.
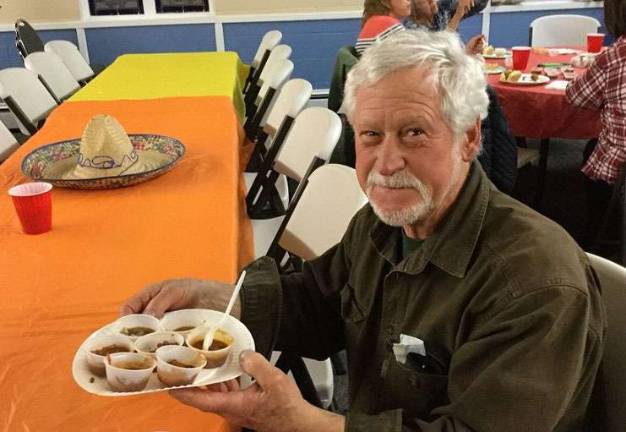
(153, 76)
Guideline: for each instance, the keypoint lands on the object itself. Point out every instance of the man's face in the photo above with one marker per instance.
(407, 161)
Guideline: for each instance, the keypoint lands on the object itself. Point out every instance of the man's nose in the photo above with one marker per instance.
(390, 158)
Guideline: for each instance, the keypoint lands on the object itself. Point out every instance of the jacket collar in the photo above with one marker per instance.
(452, 244)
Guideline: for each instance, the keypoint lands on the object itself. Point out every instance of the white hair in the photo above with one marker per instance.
(401, 179)
(457, 76)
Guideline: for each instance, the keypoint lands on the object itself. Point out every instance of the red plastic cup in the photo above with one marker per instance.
(33, 204)
(520, 57)
(594, 42)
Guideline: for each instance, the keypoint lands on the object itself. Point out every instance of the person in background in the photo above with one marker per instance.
(433, 15)
(381, 19)
(505, 305)
(603, 88)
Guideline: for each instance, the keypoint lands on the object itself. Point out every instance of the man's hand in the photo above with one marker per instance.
(475, 45)
(272, 404)
(462, 7)
(175, 294)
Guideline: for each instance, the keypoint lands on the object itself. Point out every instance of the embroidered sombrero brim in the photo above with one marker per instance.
(57, 163)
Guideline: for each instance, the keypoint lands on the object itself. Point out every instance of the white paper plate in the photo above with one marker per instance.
(495, 70)
(230, 369)
(497, 56)
(526, 80)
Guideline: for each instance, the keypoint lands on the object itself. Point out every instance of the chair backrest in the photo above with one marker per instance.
(53, 72)
(560, 30)
(8, 143)
(72, 58)
(268, 42)
(290, 100)
(314, 132)
(279, 73)
(280, 52)
(345, 60)
(26, 96)
(27, 41)
(613, 281)
(331, 198)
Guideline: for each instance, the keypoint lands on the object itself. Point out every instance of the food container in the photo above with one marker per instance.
(128, 372)
(137, 325)
(183, 321)
(149, 343)
(97, 348)
(218, 352)
(178, 365)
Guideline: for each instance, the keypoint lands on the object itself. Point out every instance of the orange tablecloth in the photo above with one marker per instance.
(538, 112)
(60, 286)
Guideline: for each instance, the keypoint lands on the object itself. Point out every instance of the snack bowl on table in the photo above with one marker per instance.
(100, 346)
(552, 72)
(178, 365)
(183, 321)
(148, 344)
(136, 325)
(219, 350)
(128, 372)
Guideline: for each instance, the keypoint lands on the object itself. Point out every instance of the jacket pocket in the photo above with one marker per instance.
(351, 310)
(413, 390)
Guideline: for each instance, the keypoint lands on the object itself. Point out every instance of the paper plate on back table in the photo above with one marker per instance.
(152, 156)
(98, 385)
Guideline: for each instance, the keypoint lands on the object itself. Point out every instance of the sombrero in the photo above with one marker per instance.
(105, 157)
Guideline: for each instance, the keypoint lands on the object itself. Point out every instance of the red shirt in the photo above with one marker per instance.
(603, 87)
(376, 29)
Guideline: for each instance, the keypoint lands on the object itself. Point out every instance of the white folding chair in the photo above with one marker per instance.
(72, 58)
(268, 42)
(613, 281)
(561, 30)
(317, 219)
(274, 125)
(280, 52)
(8, 143)
(27, 40)
(329, 199)
(315, 131)
(26, 96)
(279, 74)
(53, 74)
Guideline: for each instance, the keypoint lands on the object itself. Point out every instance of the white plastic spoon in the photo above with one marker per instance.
(208, 339)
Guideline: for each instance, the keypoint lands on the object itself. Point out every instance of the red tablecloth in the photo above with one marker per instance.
(538, 112)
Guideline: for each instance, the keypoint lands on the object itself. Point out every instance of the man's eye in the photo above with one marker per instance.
(415, 132)
(369, 133)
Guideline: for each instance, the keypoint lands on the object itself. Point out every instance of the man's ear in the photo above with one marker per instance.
(470, 142)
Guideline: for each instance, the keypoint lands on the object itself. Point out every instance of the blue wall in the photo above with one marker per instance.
(8, 53)
(105, 44)
(314, 44)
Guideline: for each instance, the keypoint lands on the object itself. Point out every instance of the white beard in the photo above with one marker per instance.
(408, 215)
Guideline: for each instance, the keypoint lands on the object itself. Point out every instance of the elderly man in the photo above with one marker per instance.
(505, 303)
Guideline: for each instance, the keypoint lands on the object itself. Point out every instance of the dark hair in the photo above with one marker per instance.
(375, 7)
(615, 17)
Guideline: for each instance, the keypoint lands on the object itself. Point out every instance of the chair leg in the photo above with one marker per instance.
(291, 362)
(543, 168)
(614, 205)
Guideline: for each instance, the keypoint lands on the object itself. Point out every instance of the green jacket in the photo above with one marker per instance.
(507, 304)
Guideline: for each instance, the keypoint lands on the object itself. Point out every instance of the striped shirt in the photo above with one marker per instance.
(603, 88)
(377, 28)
